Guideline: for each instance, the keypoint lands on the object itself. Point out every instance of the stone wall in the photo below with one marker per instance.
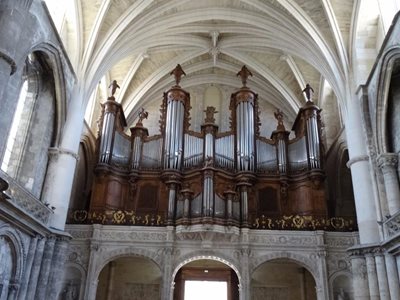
(323, 254)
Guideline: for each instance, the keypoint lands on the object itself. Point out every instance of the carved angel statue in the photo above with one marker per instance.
(177, 72)
(309, 92)
(210, 111)
(244, 73)
(113, 87)
(142, 115)
(279, 116)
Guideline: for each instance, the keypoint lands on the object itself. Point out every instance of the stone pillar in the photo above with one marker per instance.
(62, 162)
(28, 268)
(45, 268)
(372, 277)
(167, 273)
(34, 276)
(382, 277)
(245, 293)
(92, 276)
(393, 277)
(322, 285)
(110, 285)
(362, 183)
(57, 268)
(387, 162)
(360, 281)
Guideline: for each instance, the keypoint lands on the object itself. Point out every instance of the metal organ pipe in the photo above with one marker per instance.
(167, 135)
(136, 153)
(107, 137)
(245, 130)
(282, 156)
(313, 142)
(173, 146)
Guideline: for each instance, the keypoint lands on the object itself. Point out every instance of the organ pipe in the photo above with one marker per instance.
(112, 119)
(177, 102)
(243, 103)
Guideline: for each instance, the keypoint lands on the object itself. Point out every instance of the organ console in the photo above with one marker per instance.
(236, 178)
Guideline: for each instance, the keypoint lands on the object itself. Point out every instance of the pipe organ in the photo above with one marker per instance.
(182, 177)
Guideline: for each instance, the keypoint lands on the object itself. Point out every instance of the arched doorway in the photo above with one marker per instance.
(206, 279)
(282, 279)
(129, 278)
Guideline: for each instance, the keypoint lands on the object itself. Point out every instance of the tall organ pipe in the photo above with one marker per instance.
(177, 101)
(243, 102)
(110, 110)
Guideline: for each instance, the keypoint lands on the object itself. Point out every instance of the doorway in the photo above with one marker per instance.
(206, 279)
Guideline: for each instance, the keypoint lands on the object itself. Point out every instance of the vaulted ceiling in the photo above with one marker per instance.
(330, 44)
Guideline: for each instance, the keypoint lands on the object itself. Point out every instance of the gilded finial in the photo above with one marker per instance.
(244, 73)
(177, 72)
(113, 88)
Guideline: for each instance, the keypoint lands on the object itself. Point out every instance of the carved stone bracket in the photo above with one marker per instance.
(387, 161)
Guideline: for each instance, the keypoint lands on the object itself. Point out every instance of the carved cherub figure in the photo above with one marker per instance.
(142, 115)
(177, 72)
(244, 73)
(309, 92)
(113, 88)
(210, 111)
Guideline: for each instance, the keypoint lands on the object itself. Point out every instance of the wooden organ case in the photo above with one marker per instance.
(235, 178)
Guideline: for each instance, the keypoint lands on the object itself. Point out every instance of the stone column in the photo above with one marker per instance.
(372, 277)
(92, 277)
(57, 268)
(28, 268)
(322, 285)
(382, 277)
(360, 281)
(362, 183)
(393, 277)
(37, 262)
(62, 162)
(45, 268)
(387, 162)
(167, 273)
(245, 293)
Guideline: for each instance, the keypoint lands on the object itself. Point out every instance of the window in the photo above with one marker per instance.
(31, 133)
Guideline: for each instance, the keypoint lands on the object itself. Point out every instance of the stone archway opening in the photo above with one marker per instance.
(282, 279)
(129, 278)
(206, 279)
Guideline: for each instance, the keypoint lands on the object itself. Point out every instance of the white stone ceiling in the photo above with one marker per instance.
(285, 43)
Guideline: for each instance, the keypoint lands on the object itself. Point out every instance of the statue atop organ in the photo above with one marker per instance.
(236, 178)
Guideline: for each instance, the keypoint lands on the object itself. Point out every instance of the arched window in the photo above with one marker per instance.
(31, 133)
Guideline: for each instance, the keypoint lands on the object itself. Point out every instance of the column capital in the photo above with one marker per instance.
(387, 160)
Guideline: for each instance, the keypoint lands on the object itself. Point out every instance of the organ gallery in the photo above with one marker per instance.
(235, 178)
